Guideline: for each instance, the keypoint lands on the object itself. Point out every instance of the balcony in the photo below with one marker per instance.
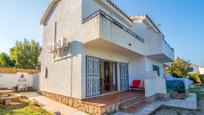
(160, 50)
(100, 26)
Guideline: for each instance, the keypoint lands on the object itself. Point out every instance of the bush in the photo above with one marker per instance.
(196, 78)
(202, 78)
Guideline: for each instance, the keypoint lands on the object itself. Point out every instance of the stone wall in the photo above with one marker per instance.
(83, 106)
(73, 102)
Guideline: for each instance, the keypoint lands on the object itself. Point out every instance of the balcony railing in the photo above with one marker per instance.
(115, 22)
(172, 49)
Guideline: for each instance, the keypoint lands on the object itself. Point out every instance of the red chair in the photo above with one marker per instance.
(135, 85)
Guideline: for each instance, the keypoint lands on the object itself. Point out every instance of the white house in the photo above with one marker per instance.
(201, 70)
(91, 48)
(197, 69)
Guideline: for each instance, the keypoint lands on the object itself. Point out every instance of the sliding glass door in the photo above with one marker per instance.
(108, 76)
(92, 76)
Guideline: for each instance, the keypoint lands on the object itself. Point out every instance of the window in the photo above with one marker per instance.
(156, 68)
(46, 73)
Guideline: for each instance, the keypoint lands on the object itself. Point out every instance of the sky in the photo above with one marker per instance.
(182, 22)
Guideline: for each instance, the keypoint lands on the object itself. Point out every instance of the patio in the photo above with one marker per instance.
(124, 101)
(112, 98)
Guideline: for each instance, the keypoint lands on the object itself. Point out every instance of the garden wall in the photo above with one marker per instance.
(8, 80)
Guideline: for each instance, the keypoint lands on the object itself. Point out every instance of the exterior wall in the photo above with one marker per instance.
(155, 86)
(11, 80)
(103, 29)
(137, 69)
(63, 78)
(154, 42)
(149, 35)
(36, 82)
(150, 62)
(136, 64)
(140, 68)
(110, 32)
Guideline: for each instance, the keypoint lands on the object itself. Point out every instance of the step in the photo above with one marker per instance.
(134, 108)
(133, 104)
(124, 106)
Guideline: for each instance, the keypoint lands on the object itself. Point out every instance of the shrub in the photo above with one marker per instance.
(196, 78)
(179, 68)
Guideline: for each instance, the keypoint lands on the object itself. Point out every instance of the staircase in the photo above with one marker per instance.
(133, 104)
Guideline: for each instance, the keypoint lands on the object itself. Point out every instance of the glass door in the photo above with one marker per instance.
(108, 76)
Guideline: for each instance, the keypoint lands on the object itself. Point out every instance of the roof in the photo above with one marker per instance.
(118, 9)
(48, 10)
(148, 19)
(131, 18)
(53, 2)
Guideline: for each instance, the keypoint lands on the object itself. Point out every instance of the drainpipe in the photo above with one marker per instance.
(71, 76)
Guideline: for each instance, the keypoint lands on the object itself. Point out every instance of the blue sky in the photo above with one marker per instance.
(182, 22)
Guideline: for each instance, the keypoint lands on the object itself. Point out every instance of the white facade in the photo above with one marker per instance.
(197, 69)
(95, 28)
(201, 70)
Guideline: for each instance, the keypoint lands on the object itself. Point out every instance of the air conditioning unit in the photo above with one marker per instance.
(58, 44)
(64, 43)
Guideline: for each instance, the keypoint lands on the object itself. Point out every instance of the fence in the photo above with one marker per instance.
(15, 70)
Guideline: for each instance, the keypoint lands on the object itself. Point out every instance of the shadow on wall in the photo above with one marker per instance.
(75, 48)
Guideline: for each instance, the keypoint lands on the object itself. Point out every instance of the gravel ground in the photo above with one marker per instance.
(176, 111)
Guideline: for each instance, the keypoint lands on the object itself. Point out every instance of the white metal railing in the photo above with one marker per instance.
(167, 49)
(172, 49)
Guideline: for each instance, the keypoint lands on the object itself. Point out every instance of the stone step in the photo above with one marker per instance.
(133, 104)
(134, 108)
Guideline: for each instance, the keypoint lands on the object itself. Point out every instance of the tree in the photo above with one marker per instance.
(180, 68)
(26, 53)
(5, 60)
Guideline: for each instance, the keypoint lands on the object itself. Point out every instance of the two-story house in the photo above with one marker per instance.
(91, 48)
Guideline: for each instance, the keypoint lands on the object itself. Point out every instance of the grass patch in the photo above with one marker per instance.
(199, 90)
(25, 107)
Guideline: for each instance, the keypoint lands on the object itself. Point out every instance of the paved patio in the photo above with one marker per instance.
(189, 103)
(53, 106)
(113, 98)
